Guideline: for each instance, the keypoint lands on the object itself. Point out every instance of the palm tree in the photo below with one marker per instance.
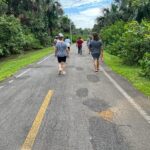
(53, 11)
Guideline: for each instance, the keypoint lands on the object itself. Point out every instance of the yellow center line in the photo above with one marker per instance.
(29, 141)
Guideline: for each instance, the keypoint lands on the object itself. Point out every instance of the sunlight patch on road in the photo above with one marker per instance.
(29, 141)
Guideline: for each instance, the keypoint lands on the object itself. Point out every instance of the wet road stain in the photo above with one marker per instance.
(93, 78)
(82, 92)
(96, 104)
(105, 135)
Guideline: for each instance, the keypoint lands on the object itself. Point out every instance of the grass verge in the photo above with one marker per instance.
(11, 65)
(131, 73)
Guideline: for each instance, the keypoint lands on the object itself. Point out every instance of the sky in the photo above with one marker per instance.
(84, 12)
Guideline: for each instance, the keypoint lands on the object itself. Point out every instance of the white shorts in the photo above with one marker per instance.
(68, 44)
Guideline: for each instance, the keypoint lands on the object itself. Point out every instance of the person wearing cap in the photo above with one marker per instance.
(55, 40)
(61, 52)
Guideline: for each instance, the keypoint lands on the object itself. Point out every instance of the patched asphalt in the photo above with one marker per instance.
(86, 112)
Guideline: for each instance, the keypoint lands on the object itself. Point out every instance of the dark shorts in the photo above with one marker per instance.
(68, 48)
(61, 59)
(96, 55)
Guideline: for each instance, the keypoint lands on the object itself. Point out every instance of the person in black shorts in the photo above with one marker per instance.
(96, 50)
(61, 52)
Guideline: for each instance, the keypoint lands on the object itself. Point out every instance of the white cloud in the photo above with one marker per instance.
(91, 12)
(84, 12)
(86, 19)
(68, 3)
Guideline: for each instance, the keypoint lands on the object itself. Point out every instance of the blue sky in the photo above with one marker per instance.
(84, 12)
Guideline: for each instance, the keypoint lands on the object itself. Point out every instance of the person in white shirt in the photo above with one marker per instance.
(68, 42)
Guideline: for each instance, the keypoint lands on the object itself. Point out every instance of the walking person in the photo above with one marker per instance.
(96, 51)
(88, 43)
(68, 43)
(79, 45)
(61, 52)
(55, 41)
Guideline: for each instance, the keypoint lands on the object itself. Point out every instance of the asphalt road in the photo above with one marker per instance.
(81, 110)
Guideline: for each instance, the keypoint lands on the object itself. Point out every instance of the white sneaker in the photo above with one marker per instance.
(63, 72)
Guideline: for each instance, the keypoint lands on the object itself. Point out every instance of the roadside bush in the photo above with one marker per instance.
(11, 35)
(3, 7)
(135, 42)
(145, 65)
(111, 36)
(31, 42)
(38, 28)
(129, 40)
(43, 38)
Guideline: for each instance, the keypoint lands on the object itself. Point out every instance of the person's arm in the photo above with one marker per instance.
(55, 50)
(102, 54)
(67, 51)
(89, 45)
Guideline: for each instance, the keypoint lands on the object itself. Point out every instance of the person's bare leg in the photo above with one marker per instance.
(63, 68)
(95, 66)
(68, 51)
(98, 65)
(60, 68)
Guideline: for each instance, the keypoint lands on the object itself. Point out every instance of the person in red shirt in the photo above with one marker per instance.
(79, 45)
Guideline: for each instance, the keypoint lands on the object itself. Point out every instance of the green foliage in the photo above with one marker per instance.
(3, 7)
(145, 65)
(37, 26)
(131, 73)
(30, 24)
(125, 10)
(31, 42)
(135, 42)
(14, 38)
(129, 40)
(43, 38)
(11, 65)
(111, 36)
(11, 35)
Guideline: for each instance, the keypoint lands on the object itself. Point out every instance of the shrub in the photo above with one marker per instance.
(135, 42)
(111, 36)
(3, 7)
(31, 42)
(11, 35)
(130, 41)
(145, 64)
(43, 38)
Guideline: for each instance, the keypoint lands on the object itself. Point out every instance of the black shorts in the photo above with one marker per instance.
(96, 55)
(61, 59)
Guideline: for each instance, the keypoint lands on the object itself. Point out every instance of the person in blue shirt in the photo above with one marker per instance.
(96, 49)
(61, 52)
